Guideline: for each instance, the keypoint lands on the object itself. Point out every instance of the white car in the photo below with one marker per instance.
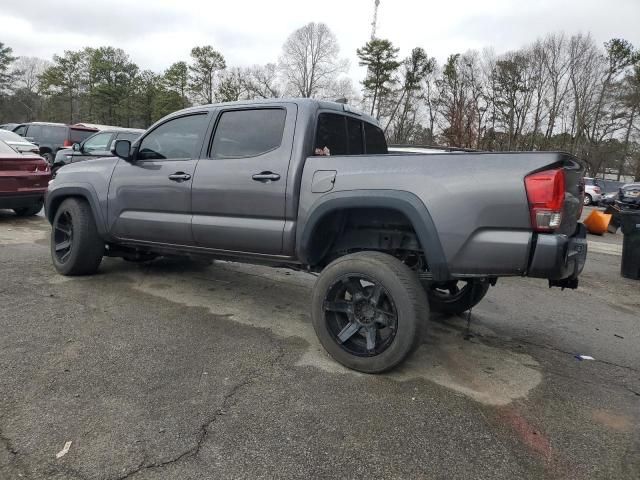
(18, 143)
(592, 191)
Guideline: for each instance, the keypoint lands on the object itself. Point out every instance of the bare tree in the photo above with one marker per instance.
(309, 60)
(262, 81)
(26, 83)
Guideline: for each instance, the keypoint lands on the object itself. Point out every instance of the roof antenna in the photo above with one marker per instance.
(341, 100)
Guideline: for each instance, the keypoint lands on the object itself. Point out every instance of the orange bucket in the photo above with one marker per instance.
(597, 222)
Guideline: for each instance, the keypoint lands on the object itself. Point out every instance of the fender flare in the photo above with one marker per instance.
(84, 190)
(405, 202)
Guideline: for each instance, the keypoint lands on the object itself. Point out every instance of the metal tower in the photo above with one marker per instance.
(374, 24)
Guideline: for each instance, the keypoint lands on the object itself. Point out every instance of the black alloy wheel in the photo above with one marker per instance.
(361, 315)
(63, 236)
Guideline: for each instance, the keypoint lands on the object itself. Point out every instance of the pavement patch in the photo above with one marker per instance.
(490, 375)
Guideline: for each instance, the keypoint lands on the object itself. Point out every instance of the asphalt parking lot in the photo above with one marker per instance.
(175, 370)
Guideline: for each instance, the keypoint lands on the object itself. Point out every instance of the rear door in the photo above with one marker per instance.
(150, 196)
(239, 187)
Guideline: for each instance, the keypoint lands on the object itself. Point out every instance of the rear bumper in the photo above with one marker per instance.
(21, 200)
(559, 257)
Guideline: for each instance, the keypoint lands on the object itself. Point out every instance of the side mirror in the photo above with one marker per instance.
(122, 149)
(76, 147)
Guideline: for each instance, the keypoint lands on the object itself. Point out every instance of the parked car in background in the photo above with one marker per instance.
(97, 145)
(51, 137)
(629, 196)
(8, 126)
(23, 181)
(609, 198)
(592, 191)
(18, 143)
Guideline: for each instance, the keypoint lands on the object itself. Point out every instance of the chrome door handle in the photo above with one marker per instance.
(266, 177)
(179, 176)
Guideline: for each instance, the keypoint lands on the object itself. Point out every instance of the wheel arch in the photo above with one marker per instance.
(405, 203)
(54, 198)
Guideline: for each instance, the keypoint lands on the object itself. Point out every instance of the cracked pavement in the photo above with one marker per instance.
(192, 371)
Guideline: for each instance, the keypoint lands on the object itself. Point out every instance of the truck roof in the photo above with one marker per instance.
(308, 103)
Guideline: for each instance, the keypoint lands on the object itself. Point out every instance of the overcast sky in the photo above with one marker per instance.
(157, 33)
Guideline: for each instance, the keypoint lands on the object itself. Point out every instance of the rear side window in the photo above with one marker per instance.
(54, 134)
(21, 130)
(374, 139)
(175, 139)
(332, 133)
(34, 131)
(77, 136)
(248, 133)
(354, 131)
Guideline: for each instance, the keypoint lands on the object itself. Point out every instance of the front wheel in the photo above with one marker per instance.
(368, 309)
(448, 298)
(587, 200)
(76, 246)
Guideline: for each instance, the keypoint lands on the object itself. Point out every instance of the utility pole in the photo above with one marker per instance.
(374, 24)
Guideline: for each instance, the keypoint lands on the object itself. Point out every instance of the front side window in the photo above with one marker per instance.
(176, 139)
(98, 142)
(248, 133)
(21, 130)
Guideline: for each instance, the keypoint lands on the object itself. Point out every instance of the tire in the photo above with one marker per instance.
(76, 246)
(48, 156)
(588, 200)
(456, 303)
(28, 211)
(373, 326)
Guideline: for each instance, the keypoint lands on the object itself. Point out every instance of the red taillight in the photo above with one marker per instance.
(67, 143)
(545, 191)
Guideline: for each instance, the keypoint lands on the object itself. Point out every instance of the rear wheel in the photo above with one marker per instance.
(76, 246)
(588, 200)
(28, 211)
(451, 298)
(367, 310)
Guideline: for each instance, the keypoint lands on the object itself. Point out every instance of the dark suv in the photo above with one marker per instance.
(97, 145)
(51, 137)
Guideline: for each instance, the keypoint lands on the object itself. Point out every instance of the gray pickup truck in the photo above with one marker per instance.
(310, 185)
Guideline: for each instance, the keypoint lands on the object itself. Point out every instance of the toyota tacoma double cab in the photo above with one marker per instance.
(310, 184)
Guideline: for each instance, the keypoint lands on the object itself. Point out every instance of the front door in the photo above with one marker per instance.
(240, 185)
(150, 196)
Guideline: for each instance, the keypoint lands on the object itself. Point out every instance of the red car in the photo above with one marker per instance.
(23, 181)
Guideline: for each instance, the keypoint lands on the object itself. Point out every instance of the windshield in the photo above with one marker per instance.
(5, 149)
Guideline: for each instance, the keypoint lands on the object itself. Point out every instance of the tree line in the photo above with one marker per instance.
(559, 93)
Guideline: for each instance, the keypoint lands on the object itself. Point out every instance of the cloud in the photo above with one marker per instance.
(157, 33)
